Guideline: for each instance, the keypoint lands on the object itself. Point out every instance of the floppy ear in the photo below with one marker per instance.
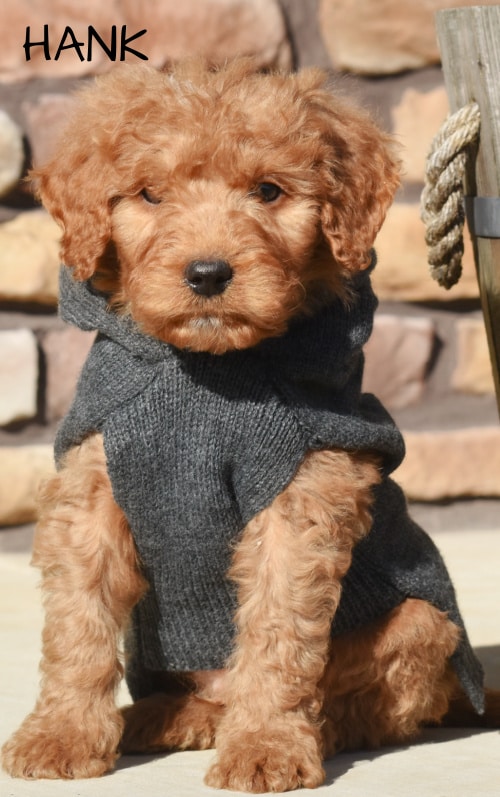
(76, 187)
(361, 173)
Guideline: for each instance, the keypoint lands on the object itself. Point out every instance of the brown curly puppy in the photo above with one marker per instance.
(218, 226)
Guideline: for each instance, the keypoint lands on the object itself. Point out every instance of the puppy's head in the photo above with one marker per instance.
(214, 205)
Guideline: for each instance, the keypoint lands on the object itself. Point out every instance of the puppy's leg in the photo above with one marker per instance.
(288, 567)
(90, 581)
(383, 683)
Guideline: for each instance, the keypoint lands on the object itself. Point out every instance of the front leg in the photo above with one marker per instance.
(90, 582)
(288, 568)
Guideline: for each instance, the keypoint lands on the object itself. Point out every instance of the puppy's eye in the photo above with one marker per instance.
(150, 198)
(268, 192)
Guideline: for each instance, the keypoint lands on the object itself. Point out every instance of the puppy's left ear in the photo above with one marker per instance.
(74, 189)
(78, 185)
(361, 173)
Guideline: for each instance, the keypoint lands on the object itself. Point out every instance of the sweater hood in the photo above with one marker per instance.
(316, 352)
(84, 307)
(316, 367)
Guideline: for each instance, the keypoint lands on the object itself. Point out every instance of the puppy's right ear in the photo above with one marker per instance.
(75, 187)
(360, 172)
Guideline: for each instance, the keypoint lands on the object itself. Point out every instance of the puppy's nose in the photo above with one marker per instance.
(208, 277)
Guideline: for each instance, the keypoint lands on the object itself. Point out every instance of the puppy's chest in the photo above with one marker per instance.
(196, 454)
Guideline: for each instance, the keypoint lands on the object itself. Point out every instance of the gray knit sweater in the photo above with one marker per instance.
(197, 444)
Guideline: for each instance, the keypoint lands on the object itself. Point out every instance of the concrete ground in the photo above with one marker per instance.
(446, 763)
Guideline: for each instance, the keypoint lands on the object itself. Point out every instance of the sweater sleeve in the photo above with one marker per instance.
(110, 378)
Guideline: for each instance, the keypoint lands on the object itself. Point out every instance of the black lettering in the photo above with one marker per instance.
(110, 51)
(124, 44)
(45, 44)
(75, 45)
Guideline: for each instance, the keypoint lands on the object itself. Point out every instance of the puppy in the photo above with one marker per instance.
(223, 495)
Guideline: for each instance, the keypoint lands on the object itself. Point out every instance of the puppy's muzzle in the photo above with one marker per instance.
(208, 277)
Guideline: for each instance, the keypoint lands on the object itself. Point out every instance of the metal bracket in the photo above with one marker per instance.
(483, 216)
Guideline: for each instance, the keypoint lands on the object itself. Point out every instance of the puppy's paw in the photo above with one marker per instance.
(161, 722)
(44, 750)
(264, 762)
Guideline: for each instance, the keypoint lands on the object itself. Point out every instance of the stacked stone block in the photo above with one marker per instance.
(427, 359)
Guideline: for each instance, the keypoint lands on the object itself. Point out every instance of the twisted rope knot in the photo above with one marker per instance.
(442, 201)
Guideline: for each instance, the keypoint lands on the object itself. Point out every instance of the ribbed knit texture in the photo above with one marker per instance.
(197, 444)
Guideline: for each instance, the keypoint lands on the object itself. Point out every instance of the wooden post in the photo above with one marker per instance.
(469, 40)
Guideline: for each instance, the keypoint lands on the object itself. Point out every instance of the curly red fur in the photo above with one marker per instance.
(91, 581)
(205, 140)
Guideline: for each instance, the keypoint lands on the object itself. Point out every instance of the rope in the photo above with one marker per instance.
(442, 201)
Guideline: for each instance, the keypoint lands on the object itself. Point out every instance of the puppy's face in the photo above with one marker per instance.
(214, 206)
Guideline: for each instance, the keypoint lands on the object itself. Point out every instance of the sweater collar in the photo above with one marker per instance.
(321, 349)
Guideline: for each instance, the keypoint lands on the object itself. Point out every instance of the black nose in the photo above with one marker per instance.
(208, 277)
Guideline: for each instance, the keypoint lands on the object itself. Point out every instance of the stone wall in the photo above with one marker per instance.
(428, 356)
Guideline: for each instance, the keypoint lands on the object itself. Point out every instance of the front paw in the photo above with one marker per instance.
(48, 750)
(266, 762)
